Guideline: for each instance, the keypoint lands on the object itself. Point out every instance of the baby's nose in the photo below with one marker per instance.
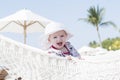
(59, 39)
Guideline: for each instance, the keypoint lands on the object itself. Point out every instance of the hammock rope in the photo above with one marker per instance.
(30, 63)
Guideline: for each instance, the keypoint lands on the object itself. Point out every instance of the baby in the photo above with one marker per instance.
(57, 41)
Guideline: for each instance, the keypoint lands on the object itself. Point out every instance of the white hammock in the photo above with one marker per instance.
(34, 64)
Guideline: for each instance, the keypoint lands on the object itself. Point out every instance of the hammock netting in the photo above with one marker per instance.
(30, 63)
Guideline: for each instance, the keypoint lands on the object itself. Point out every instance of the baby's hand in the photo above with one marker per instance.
(81, 58)
(72, 59)
(69, 57)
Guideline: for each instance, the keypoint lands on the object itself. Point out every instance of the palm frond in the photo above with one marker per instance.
(108, 23)
(84, 19)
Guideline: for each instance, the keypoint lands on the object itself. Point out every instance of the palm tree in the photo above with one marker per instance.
(95, 17)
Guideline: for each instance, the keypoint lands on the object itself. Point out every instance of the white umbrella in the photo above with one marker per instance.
(23, 21)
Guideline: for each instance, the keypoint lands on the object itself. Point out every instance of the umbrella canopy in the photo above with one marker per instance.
(23, 21)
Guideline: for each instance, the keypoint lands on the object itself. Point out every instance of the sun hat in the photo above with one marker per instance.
(52, 28)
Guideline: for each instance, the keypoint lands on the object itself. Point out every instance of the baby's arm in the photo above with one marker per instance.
(73, 51)
(59, 53)
(55, 52)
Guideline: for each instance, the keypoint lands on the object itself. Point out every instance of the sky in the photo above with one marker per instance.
(67, 12)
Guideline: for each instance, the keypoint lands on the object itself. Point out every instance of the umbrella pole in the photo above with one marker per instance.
(24, 36)
(24, 32)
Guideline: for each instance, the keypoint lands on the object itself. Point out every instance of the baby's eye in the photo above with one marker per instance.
(55, 37)
(62, 35)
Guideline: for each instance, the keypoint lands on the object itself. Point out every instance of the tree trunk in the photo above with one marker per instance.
(99, 36)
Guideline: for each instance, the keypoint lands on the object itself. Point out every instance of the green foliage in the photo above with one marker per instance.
(109, 44)
(94, 44)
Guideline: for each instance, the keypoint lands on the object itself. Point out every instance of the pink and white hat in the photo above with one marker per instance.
(52, 28)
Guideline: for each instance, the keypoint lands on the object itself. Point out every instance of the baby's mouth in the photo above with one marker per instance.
(60, 43)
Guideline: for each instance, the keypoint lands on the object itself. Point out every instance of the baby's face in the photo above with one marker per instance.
(58, 39)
